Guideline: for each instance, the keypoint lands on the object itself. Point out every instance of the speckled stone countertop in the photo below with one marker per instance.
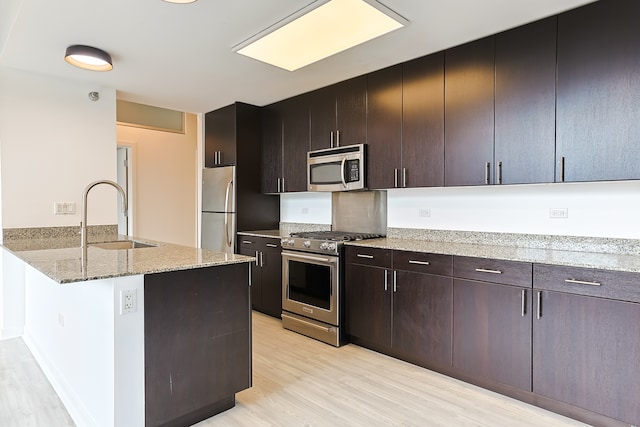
(61, 258)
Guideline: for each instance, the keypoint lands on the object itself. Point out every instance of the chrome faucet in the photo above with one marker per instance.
(83, 224)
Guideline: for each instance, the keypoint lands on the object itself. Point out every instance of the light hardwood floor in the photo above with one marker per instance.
(298, 381)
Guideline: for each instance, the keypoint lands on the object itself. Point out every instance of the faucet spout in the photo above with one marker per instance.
(85, 194)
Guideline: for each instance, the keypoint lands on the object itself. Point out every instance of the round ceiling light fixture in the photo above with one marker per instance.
(89, 58)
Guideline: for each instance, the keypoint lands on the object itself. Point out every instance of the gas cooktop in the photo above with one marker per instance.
(323, 242)
(343, 236)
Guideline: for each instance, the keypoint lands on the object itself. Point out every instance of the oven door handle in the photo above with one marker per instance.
(309, 257)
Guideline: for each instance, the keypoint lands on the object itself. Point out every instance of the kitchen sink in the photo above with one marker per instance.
(124, 244)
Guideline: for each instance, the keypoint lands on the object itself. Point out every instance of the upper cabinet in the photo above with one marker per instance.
(525, 85)
(469, 118)
(285, 143)
(423, 122)
(598, 126)
(339, 114)
(220, 136)
(384, 127)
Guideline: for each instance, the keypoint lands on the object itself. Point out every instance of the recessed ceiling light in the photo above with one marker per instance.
(89, 58)
(320, 30)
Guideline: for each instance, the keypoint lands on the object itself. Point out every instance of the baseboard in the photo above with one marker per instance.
(9, 333)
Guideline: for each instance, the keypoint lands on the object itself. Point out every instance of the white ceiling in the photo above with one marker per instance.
(179, 56)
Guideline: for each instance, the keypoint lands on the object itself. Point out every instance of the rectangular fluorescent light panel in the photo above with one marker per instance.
(309, 36)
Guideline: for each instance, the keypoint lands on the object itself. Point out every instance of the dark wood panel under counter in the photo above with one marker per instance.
(421, 262)
(368, 256)
(515, 273)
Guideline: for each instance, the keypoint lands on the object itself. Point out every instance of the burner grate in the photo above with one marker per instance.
(344, 236)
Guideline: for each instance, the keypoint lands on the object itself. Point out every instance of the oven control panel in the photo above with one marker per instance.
(311, 245)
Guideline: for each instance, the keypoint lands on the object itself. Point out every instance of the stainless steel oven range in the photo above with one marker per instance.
(312, 278)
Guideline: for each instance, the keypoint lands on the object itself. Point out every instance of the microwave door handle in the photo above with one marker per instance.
(344, 181)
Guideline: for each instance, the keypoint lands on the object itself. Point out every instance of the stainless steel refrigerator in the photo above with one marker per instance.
(219, 209)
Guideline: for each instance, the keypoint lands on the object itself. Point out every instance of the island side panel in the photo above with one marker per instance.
(197, 342)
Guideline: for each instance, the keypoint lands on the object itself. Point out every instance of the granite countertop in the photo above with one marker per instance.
(275, 234)
(61, 258)
(597, 260)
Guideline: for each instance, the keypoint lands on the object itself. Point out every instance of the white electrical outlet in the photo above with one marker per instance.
(304, 211)
(61, 319)
(558, 213)
(128, 301)
(64, 208)
(424, 213)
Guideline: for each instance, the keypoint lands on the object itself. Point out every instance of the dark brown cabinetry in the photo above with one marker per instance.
(197, 328)
(423, 122)
(339, 114)
(587, 348)
(525, 77)
(220, 133)
(399, 309)
(598, 126)
(266, 273)
(285, 143)
(492, 321)
(469, 113)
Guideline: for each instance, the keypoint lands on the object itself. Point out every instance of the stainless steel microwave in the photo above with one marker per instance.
(337, 169)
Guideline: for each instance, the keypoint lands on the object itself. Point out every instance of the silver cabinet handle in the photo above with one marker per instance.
(413, 261)
(499, 172)
(247, 242)
(257, 265)
(249, 275)
(395, 178)
(282, 180)
(404, 177)
(337, 138)
(278, 185)
(364, 256)
(524, 302)
(395, 281)
(539, 313)
(386, 280)
(261, 259)
(487, 172)
(582, 282)
(272, 245)
(484, 270)
(331, 139)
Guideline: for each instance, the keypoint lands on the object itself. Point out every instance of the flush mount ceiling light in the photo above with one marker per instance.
(89, 58)
(320, 30)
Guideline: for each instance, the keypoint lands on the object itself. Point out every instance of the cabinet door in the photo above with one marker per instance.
(384, 127)
(271, 148)
(322, 108)
(492, 332)
(295, 143)
(422, 310)
(423, 122)
(220, 137)
(351, 111)
(525, 104)
(368, 304)
(469, 87)
(587, 353)
(272, 278)
(598, 91)
(250, 247)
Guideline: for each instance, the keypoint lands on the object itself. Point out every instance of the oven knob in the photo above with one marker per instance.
(324, 246)
(331, 246)
(306, 244)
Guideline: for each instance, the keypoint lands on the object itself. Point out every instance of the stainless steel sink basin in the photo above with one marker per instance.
(123, 244)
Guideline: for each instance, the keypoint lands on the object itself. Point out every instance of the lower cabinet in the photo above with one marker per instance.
(403, 313)
(266, 273)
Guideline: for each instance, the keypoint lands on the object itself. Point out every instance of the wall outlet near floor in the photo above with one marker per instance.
(558, 213)
(128, 301)
(64, 208)
(424, 213)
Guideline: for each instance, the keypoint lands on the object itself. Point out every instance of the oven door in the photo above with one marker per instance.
(310, 285)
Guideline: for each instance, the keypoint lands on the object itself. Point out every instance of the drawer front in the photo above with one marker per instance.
(493, 270)
(375, 257)
(258, 243)
(617, 285)
(421, 262)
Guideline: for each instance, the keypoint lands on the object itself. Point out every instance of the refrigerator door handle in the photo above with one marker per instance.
(226, 210)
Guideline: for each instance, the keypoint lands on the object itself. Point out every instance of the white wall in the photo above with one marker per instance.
(54, 141)
(165, 184)
(306, 208)
(605, 209)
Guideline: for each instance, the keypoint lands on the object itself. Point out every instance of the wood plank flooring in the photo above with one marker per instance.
(298, 381)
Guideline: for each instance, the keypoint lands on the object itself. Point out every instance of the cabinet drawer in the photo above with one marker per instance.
(421, 262)
(492, 270)
(368, 256)
(618, 285)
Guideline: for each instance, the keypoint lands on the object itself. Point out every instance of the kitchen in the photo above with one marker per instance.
(595, 209)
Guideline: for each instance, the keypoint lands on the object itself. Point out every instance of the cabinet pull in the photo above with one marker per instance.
(484, 270)
(278, 184)
(261, 259)
(386, 280)
(404, 177)
(331, 139)
(249, 275)
(395, 178)
(282, 185)
(257, 265)
(539, 313)
(524, 302)
(337, 138)
(413, 261)
(272, 245)
(499, 172)
(247, 242)
(395, 281)
(581, 282)
(364, 256)
(487, 172)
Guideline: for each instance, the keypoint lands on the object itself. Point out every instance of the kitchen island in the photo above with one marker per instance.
(149, 336)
